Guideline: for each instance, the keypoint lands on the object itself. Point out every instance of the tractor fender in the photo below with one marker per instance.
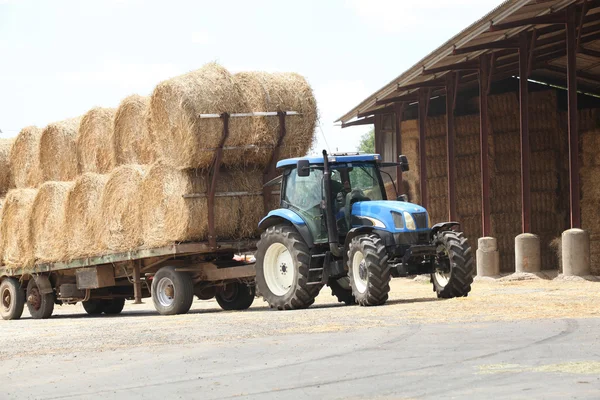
(442, 226)
(285, 216)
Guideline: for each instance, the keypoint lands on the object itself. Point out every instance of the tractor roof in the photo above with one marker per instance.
(333, 159)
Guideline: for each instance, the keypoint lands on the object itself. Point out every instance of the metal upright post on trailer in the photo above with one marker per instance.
(213, 177)
(137, 282)
(269, 172)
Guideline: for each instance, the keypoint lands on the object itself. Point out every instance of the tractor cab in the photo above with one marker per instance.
(336, 227)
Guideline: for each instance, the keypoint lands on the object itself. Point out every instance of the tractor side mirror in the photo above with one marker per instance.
(303, 167)
(403, 163)
(403, 198)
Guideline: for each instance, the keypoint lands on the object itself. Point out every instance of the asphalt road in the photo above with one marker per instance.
(394, 359)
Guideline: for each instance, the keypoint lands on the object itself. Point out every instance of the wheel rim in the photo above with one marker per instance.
(34, 298)
(279, 270)
(6, 299)
(165, 292)
(359, 272)
(443, 272)
(229, 292)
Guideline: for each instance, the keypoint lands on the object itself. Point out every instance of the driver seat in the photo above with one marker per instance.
(354, 196)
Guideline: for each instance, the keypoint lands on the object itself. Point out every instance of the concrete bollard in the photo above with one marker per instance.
(527, 253)
(575, 252)
(488, 258)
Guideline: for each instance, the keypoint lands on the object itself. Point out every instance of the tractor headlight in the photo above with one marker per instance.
(398, 221)
(409, 221)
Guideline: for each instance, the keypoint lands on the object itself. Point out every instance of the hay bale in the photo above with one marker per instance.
(5, 176)
(118, 223)
(182, 138)
(167, 217)
(95, 150)
(24, 159)
(81, 213)
(58, 151)
(47, 223)
(132, 140)
(15, 240)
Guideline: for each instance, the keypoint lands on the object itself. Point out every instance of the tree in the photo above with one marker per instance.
(367, 142)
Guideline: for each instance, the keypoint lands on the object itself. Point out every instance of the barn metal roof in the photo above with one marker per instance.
(497, 34)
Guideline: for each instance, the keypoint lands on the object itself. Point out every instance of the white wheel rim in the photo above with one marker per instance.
(165, 292)
(442, 278)
(359, 272)
(279, 269)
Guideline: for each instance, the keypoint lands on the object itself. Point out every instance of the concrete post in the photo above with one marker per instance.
(575, 252)
(488, 258)
(527, 253)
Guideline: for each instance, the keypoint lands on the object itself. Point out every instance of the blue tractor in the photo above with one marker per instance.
(336, 227)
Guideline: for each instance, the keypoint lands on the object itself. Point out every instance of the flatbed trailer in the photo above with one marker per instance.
(171, 275)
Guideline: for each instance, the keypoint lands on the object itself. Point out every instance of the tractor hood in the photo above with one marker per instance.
(380, 214)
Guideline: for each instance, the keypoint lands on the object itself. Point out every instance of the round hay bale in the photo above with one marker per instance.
(81, 214)
(263, 91)
(47, 223)
(58, 151)
(15, 240)
(95, 150)
(5, 176)
(25, 158)
(167, 217)
(182, 138)
(132, 140)
(118, 224)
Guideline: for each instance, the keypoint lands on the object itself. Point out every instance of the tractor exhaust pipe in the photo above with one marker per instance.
(332, 232)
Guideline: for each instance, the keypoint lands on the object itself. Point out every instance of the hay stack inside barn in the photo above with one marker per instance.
(81, 215)
(15, 241)
(25, 158)
(95, 150)
(5, 175)
(132, 140)
(47, 222)
(118, 220)
(167, 217)
(58, 152)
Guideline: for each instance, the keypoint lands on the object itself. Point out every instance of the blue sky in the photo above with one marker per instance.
(60, 58)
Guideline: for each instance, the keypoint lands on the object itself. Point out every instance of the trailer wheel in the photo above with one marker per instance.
(172, 291)
(453, 267)
(12, 299)
(235, 296)
(114, 306)
(40, 297)
(282, 263)
(93, 307)
(368, 270)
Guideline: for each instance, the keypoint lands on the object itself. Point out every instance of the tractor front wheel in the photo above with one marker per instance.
(282, 263)
(368, 270)
(453, 267)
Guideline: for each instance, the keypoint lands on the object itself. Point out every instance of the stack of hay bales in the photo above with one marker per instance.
(114, 180)
(437, 175)
(410, 148)
(6, 180)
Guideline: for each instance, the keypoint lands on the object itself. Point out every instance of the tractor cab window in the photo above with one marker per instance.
(363, 178)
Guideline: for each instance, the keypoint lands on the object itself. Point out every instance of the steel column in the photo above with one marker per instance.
(423, 106)
(524, 119)
(572, 119)
(377, 138)
(450, 158)
(399, 114)
(484, 89)
(137, 282)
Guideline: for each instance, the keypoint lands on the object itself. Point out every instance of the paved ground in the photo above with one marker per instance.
(533, 339)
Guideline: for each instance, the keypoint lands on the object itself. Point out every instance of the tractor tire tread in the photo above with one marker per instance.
(462, 264)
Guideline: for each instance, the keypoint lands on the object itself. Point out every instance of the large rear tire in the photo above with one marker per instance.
(282, 263)
(342, 289)
(12, 299)
(40, 303)
(235, 296)
(454, 267)
(172, 291)
(368, 270)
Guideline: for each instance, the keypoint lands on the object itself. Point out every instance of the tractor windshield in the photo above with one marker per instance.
(357, 177)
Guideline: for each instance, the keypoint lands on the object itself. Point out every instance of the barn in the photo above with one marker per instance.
(501, 125)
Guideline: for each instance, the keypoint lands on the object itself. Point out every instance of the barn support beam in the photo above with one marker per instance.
(451, 159)
(399, 115)
(524, 122)
(377, 126)
(484, 85)
(572, 118)
(423, 109)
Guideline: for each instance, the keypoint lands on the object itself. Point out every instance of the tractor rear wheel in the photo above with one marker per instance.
(342, 289)
(368, 270)
(453, 268)
(282, 263)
